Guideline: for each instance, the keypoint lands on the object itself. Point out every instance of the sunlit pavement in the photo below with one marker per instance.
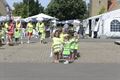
(91, 51)
(100, 60)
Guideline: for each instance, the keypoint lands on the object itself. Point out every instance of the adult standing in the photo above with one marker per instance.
(29, 30)
(0, 36)
(66, 27)
(41, 30)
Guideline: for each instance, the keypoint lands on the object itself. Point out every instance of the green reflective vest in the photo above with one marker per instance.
(74, 44)
(66, 50)
(3, 32)
(17, 34)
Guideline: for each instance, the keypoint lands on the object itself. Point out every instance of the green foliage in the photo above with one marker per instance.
(67, 9)
(27, 8)
(102, 10)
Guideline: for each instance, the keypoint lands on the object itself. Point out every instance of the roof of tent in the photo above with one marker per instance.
(4, 18)
(41, 15)
(46, 16)
(94, 17)
(111, 14)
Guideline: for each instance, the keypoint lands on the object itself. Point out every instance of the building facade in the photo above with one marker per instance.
(97, 7)
(3, 10)
(113, 5)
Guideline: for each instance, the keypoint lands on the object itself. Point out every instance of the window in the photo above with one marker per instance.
(115, 26)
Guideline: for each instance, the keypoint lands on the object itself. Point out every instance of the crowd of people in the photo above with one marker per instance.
(65, 45)
(13, 32)
(64, 39)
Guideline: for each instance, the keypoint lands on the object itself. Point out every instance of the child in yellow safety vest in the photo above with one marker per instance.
(56, 46)
(17, 35)
(19, 29)
(3, 36)
(74, 45)
(66, 49)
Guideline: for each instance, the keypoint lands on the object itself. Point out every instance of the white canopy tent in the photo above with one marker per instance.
(45, 16)
(111, 28)
(2, 18)
(101, 25)
(40, 16)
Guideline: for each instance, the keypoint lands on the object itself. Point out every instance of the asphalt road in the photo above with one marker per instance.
(100, 60)
(28, 71)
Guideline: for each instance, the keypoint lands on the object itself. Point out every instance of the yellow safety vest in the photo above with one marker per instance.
(42, 28)
(29, 27)
(6, 25)
(57, 44)
(77, 44)
(18, 25)
(62, 37)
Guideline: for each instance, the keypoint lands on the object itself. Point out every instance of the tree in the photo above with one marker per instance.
(67, 9)
(102, 10)
(19, 9)
(35, 8)
(27, 8)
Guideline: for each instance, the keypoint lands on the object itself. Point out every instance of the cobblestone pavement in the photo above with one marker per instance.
(91, 51)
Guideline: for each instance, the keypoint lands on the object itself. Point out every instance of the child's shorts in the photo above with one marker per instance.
(29, 33)
(16, 39)
(57, 52)
(73, 51)
(66, 56)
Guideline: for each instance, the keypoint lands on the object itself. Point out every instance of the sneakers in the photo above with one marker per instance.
(21, 42)
(66, 62)
(28, 42)
(7, 43)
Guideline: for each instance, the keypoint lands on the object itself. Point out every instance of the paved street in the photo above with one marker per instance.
(100, 60)
(96, 22)
(91, 51)
(35, 71)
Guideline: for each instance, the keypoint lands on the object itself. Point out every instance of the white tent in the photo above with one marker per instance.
(106, 25)
(45, 16)
(113, 27)
(40, 17)
(2, 18)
